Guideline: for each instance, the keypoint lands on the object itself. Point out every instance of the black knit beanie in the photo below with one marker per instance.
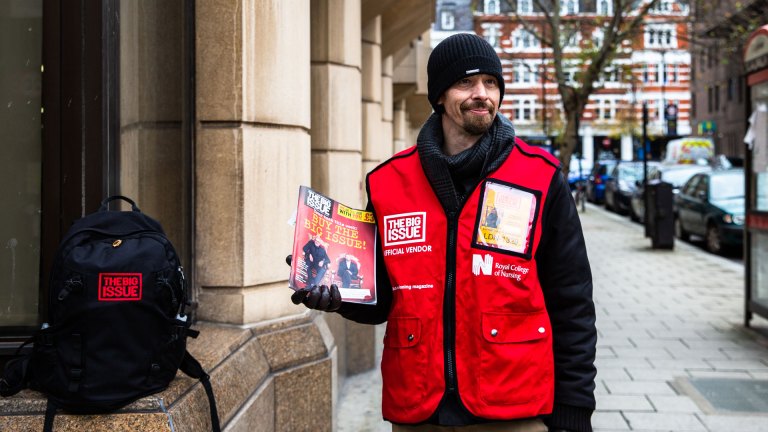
(459, 56)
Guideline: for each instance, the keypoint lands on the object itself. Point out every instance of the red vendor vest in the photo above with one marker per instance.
(468, 314)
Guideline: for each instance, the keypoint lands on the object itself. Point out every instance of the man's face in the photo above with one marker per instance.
(471, 104)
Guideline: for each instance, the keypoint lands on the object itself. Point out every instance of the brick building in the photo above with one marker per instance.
(653, 68)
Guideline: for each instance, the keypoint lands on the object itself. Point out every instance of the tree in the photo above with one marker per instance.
(555, 30)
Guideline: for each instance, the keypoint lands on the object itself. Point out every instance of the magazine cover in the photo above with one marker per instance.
(334, 244)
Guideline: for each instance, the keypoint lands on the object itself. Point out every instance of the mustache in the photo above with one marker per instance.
(476, 105)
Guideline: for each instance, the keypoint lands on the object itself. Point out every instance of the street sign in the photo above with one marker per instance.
(707, 127)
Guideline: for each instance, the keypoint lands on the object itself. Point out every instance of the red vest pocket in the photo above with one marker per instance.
(516, 363)
(403, 368)
(402, 332)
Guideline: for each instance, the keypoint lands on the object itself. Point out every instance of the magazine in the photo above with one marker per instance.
(334, 244)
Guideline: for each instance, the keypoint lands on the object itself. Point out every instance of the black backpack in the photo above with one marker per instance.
(117, 325)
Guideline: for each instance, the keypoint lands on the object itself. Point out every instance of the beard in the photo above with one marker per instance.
(474, 124)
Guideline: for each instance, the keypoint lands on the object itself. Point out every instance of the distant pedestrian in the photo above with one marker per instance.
(487, 330)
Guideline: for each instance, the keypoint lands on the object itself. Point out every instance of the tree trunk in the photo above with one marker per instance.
(570, 140)
(572, 109)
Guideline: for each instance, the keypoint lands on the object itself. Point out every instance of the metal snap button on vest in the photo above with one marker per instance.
(541, 330)
(494, 332)
(117, 243)
(410, 337)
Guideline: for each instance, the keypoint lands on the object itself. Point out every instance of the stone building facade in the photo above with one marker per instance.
(210, 114)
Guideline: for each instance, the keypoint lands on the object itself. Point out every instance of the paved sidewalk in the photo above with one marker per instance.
(665, 319)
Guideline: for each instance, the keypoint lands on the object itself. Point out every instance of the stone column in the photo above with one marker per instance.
(627, 147)
(400, 127)
(387, 121)
(374, 151)
(337, 144)
(252, 153)
(336, 92)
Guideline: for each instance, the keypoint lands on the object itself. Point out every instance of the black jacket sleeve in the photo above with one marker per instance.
(378, 313)
(566, 280)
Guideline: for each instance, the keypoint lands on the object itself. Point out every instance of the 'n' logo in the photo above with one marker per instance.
(482, 265)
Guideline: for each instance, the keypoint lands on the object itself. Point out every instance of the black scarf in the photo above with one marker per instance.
(453, 178)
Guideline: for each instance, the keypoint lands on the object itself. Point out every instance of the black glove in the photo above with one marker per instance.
(558, 430)
(319, 297)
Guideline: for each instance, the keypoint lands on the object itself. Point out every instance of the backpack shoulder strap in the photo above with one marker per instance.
(50, 413)
(16, 373)
(193, 368)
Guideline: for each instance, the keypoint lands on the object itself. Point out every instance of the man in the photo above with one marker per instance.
(347, 270)
(316, 260)
(500, 335)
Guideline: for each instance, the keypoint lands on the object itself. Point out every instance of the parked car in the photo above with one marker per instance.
(596, 180)
(621, 183)
(676, 174)
(711, 204)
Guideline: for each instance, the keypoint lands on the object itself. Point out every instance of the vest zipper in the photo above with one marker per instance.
(449, 306)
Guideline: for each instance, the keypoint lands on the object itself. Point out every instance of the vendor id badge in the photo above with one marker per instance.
(506, 218)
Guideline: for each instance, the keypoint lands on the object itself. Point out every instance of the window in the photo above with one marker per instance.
(660, 36)
(674, 69)
(610, 74)
(141, 129)
(717, 97)
(492, 33)
(662, 7)
(729, 90)
(702, 187)
(693, 105)
(492, 7)
(523, 39)
(447, 20)
(604, 7)
(597, 37)
(606, 109)
(572, 41)
(662, 73)
(569, 7)
(524, 6)
(523, 73)
(22, 163)
(710, 98)
(570, 75)
(525, 110)
(645, 73)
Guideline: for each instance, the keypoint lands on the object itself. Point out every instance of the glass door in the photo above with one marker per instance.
(21, 34)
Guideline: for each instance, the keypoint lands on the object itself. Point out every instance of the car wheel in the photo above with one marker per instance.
(714, 244)
(680, 231)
